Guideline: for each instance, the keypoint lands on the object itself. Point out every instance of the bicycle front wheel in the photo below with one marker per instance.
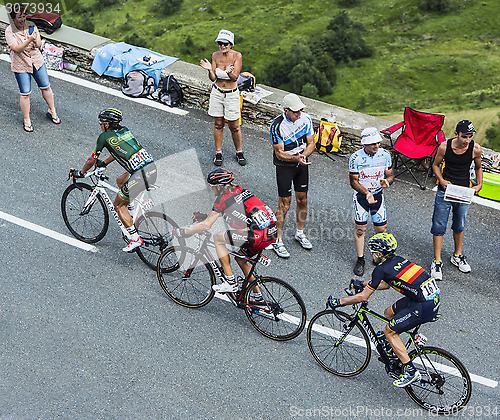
(156, 231)
(445, 387)
(282, 315)
(341, 349)
(87, 222)
(186, 277)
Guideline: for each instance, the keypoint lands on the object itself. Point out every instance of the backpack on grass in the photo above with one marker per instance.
(170, 93)
(138, 84)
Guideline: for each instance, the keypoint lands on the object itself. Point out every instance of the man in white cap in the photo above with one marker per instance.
(292, 137)
(224, 96)
(370, 171)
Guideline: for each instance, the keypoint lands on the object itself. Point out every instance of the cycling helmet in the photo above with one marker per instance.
(110, 115)
(220, 176)
(383, 242)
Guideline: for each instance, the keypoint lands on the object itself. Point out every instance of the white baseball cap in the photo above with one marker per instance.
(370, 135)
(293, 102)
(225, 36)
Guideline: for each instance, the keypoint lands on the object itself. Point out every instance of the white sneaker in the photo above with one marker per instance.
(256, 299)
(302, 239)
(133, 245)
(280, 249)
(225, 287)
(461, 263)
(437, 270)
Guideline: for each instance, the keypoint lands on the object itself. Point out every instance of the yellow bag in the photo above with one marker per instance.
(327, 137)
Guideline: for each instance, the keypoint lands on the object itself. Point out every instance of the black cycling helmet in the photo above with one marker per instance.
(110, 115)
(383, 242)
(220, 176)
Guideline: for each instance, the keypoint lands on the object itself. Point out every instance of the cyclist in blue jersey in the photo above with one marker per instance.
(419, 305)
(370, 171)
(292, 137)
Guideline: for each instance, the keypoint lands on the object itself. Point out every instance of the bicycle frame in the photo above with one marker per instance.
(100, 186)
(203, 249)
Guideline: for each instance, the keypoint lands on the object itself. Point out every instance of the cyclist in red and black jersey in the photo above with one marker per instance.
(252, 224)
(128, 152)
(419, 305)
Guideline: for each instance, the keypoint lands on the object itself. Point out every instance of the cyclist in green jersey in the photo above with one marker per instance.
(128, 152)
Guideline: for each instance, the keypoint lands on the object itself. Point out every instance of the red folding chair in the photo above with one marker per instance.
(419, 139)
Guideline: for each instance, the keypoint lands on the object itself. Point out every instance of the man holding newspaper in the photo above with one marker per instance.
(454, 193)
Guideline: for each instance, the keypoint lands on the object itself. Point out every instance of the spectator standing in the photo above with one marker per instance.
(24, 42)
(292, 137)
(457, 154)
(225, 96)
(370, 171)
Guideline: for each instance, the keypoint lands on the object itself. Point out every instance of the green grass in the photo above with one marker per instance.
(429, 61)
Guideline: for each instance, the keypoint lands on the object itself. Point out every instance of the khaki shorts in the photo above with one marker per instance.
(225, 105)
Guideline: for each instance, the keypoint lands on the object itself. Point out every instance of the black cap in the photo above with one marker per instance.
(465, 127)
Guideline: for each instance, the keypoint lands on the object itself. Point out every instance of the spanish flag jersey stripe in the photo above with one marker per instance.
(410, 273)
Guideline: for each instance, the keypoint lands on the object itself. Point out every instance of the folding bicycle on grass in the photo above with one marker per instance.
(187, 276)
(83, 208)
(340, 343)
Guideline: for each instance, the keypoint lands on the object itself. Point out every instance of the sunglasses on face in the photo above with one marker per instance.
(225, 44)
(294, 112)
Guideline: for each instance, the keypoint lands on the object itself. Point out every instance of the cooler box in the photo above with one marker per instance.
(491, 186)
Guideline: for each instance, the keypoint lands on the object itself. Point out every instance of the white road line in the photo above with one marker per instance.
(47, 232)
(109, 91)
(475, 378)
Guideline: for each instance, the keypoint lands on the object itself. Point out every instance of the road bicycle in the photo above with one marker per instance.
(340, 343)
(187, 275)
(83, 208)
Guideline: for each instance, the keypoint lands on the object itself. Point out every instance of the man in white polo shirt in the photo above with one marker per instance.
(370, 171)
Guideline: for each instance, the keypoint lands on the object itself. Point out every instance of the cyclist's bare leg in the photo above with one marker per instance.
(222, 253)
(246, 267)
(301, 212)
(396, 344)
(283, 207)
(122, 179)
(123, 213)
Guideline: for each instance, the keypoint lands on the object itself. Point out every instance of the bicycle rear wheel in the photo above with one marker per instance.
(156, 231)
(348, 356)
(283, 314)
(186, 277)
(88, 224)
(445, 387)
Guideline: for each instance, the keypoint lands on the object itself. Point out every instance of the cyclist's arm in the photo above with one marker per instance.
(204, 225)
(279, 150)
(90, 162)
(360, 297)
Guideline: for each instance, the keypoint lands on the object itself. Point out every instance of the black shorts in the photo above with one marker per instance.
(285, 175)
(409, 313)
(138, 182)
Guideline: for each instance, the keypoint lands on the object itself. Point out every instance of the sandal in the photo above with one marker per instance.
(51, 118)
(28, 128)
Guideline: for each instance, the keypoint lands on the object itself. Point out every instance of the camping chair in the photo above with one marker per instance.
(420, 137)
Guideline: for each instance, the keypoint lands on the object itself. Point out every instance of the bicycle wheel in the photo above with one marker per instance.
(283, 314)
(156, 231)
(445, 387)
(346, 357)
(88, 224)
(186, 277)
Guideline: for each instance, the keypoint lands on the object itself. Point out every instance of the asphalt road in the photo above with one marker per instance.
(92, 335)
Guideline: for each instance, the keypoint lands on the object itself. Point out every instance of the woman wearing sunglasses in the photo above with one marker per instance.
(224, 96)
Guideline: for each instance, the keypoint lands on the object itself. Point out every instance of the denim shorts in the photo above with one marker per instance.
(442, 212)
(24, 80)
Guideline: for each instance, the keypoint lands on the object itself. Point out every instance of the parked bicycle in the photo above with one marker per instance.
(340, 343)
(83, 208)
(187, 275)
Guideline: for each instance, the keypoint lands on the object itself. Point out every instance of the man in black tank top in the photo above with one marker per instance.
(457, 153)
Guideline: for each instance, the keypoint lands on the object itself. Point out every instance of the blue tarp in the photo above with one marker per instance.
(118, 59)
